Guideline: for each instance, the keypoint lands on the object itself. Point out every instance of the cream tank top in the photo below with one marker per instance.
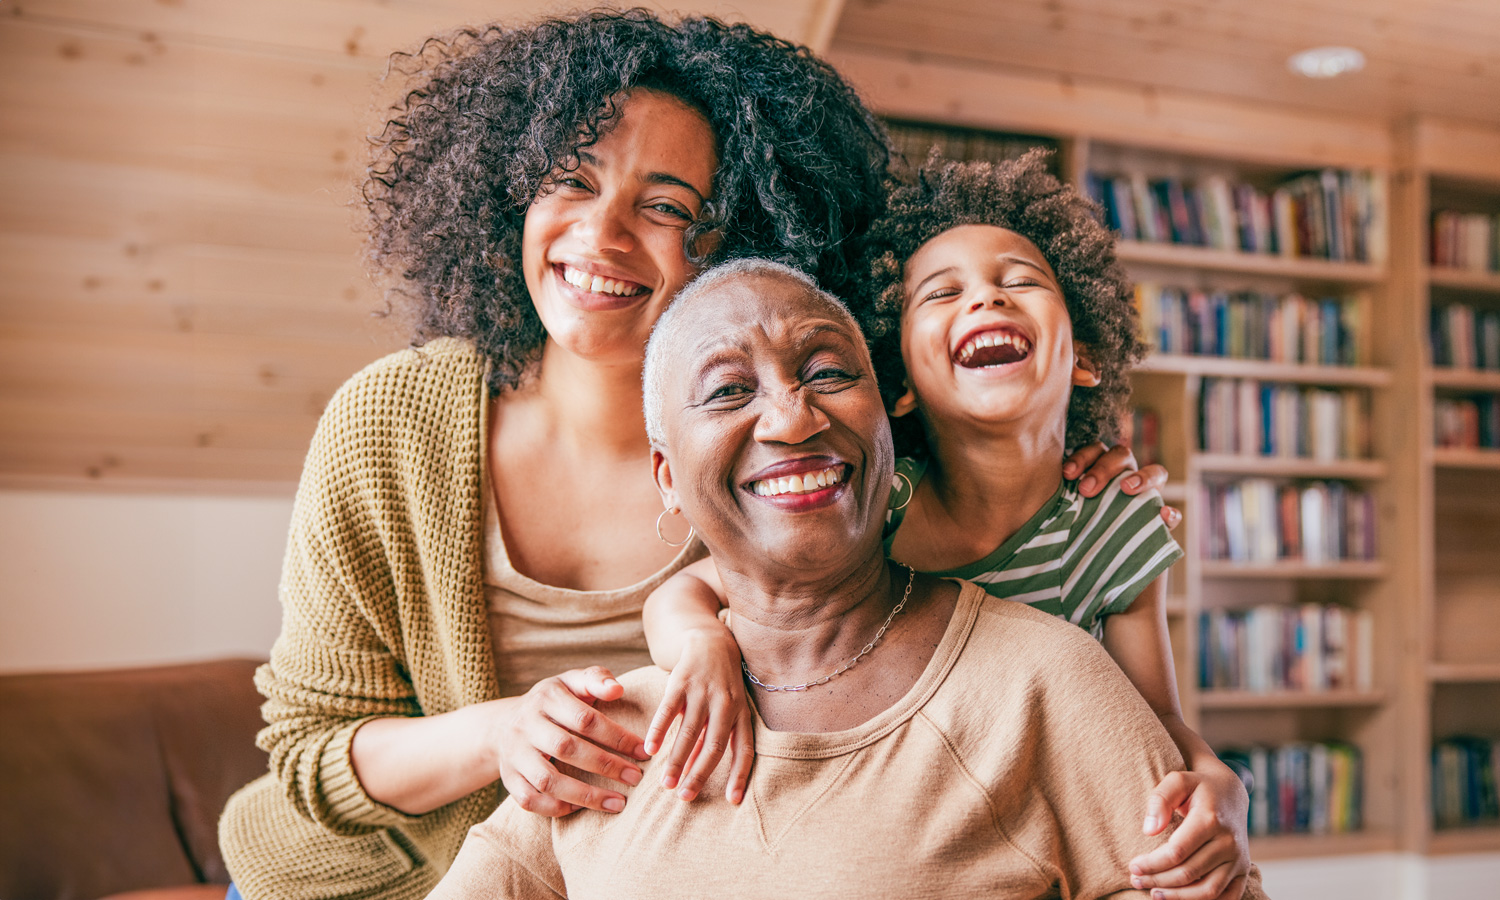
(538, 630)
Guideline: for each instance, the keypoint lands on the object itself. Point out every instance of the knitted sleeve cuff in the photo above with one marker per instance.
(344, 798)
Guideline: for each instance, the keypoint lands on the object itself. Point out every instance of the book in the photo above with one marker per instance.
(1468, 241)
(1301, 647)
(1287, 328)
(1464, 781)
(1255, 418)
(1302, 788)
(1264, 520)
(1332, 214)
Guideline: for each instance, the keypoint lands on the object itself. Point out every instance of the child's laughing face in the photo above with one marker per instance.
(985, 334)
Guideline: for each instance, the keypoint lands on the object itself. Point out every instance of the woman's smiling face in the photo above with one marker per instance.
(602, 249)
(985, 334)
(777, 443)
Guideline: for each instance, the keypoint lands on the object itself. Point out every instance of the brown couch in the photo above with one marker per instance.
(113, 781)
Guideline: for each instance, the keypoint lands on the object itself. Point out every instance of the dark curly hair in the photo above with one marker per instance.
(490, 113)
(1023, 196)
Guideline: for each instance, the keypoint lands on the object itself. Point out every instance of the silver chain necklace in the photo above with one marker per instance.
(910, 580)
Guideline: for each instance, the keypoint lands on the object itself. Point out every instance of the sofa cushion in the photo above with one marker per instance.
(113, 781)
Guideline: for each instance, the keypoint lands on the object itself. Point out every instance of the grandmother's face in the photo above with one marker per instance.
(602, 249)
(778, 448)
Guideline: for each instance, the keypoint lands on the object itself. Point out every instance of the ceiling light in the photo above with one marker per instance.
(1326, 62)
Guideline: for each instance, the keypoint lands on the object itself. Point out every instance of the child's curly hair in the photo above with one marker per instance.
(1022, 196)
(490, 113)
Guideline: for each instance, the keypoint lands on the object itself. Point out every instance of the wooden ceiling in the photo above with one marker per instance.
(1434, 57)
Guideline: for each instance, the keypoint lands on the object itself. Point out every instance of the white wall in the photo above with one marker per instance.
(99, 580)
(1384, 876)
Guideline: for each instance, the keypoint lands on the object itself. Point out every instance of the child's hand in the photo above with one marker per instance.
(1099, 465)
(707, 690)
(1208, 856)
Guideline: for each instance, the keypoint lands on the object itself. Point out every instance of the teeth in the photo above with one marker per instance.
(599, 285)
(799, 484)
(992, 339)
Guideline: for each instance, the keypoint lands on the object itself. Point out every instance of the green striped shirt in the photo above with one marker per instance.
(1079, 558)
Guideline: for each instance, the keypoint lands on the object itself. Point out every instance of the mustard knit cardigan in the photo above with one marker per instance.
(384, 614)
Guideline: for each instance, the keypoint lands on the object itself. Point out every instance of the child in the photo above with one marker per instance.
(1001, 329)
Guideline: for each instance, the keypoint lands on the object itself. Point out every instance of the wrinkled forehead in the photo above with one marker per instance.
(756, 312)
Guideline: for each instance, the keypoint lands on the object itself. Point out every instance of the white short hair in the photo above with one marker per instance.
(664, 335)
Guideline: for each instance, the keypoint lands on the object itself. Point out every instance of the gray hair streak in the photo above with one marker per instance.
(665, 334)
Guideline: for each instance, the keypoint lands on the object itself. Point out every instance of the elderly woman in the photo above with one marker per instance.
(943, 753)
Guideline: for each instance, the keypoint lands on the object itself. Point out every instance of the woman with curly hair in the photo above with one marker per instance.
(475, 514)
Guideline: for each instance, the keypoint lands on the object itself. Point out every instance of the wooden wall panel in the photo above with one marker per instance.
(904, 86)
(180, 282)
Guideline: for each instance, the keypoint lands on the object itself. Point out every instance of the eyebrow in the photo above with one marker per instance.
(724, 352)
(1017, 260)
(650, 177)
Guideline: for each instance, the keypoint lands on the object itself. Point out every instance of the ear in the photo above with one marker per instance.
(905, 403)
(1085, 374)
(661, 471)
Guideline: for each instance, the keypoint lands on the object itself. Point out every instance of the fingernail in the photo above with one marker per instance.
(669, 781)
(614, 804)
(1158, 895)
(1070, 470)
(643, 752)
(736, 796)
(1132, 482)
(1150, 823)
(687, 794)
(1087, 484)
(1137, 883)
(631, 777)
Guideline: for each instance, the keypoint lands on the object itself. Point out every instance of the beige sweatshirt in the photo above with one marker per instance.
(1017, 766)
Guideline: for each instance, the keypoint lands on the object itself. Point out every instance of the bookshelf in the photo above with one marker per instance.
(1453, 678)
(1430, 588)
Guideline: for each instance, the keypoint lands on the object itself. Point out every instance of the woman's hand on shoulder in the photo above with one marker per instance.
(1096, 465)
(707, 692)
(1208, 856)
(556, 722)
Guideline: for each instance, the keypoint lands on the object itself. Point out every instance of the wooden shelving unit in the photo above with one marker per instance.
(1288, 699)
(1432, 591)
(1222, 367)
(1307, 270)
(1452, 677)
(1172, 384)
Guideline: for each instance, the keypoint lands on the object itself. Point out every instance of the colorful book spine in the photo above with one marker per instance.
(1469, 241)
(1332, 214)
(1247, 325)
(1143, 434)
(1465, 338)
(1303, 788)
(1256, 418)
(1467, 422)
(1306, 647)
(1259, 521)
(1463, 781)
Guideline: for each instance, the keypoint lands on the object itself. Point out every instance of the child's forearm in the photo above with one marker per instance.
(1195, 751)
(684, 604)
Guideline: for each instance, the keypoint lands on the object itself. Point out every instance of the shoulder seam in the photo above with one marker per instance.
(979, 788)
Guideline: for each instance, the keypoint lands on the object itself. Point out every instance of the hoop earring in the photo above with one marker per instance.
(663, 538)
(910, 491)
